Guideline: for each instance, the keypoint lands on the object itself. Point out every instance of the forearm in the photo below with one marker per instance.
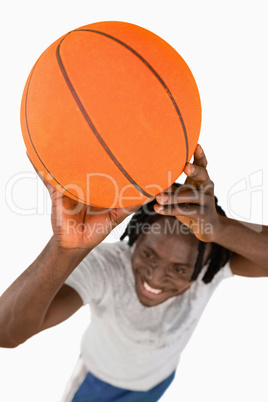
(24, 304)
(247, 240)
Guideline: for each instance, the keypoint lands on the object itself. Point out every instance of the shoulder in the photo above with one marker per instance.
(102, 268)
(109, 259)
(111, 252)
(208, 288)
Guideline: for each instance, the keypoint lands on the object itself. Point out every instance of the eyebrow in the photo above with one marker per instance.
(152, 250)
(184, 264)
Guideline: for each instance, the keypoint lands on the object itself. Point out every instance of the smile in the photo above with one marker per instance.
(151, 290)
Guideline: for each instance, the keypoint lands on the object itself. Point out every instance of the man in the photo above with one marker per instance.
(145, 298)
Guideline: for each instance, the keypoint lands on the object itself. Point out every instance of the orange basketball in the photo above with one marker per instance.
(110, 114)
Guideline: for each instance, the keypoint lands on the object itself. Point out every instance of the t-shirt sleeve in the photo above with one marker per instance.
(225, 272)
(208, 288)
(90, 279)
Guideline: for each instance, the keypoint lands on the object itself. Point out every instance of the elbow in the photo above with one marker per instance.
(6, 341)
(11, 344)
(8, 344)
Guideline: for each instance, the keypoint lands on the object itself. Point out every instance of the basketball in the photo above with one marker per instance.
(110, 114)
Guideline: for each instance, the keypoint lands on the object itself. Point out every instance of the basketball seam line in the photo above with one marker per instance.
(91, 125)
(29, 134)
(160, 79)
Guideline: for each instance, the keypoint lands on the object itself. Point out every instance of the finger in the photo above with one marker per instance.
(116, 212)
(126, 211)
(196, 173)
(196, 197)
(178, 194)
(200, 157)
(117, 215)
(188, 210)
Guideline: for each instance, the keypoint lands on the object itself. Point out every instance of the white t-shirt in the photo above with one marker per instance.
(127, 344)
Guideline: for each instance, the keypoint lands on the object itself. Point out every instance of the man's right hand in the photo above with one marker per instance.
(38, 298)
(80, 226)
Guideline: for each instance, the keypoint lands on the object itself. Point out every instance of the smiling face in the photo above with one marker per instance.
(163, 261)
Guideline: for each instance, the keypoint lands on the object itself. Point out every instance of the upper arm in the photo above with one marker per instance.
(243, 267)
(66, 302)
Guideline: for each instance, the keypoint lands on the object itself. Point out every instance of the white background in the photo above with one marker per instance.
(225, 45)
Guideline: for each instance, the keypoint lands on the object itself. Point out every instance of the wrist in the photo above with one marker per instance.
(218, 229)
(70, 253)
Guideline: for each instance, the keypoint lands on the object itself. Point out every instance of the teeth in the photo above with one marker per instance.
(152, 290)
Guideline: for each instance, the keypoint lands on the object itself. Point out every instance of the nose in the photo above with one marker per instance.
(156, 276)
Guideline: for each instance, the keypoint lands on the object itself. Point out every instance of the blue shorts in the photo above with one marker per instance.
(93, 389)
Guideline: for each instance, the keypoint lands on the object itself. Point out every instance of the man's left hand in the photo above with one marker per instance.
(193, 204)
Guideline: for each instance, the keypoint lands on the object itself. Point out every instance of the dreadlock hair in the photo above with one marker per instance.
(217, 258)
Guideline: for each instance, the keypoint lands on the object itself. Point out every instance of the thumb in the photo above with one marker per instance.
(185, 221)
(122, 213)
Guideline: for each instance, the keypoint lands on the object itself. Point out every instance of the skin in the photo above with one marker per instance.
(165, 261)
(194, 206)
(39, 299)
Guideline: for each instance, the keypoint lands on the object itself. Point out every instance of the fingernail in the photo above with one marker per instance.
(159, 208)
(162, 197)
(191, 169)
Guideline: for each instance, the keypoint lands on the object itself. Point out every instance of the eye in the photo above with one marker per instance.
(179, 270)
(147, 254)
(149, 258)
